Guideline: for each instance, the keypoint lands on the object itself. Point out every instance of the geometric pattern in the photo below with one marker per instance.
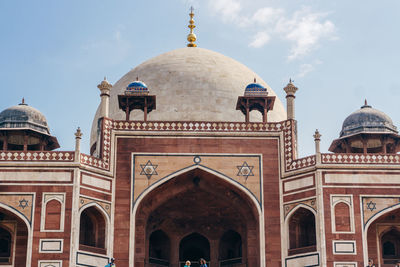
(245, 170)
(148, 169)
(23, 203)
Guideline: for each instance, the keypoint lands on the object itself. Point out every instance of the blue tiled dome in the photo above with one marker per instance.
(137, 88)
(255, 89)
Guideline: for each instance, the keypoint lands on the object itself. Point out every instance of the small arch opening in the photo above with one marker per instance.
(302, 234)
(230, 248)
(92, 233)
(159, 248)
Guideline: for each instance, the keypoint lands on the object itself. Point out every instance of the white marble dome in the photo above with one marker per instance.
(191, 84)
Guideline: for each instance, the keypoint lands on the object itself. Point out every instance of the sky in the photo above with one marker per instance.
(55, 53)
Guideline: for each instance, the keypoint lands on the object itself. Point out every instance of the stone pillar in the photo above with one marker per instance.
(290, 90)
(317, 139)
(5, 145)
(25, 142)
(174, 253)
(104, 87)
(214, 249)
(78, 137)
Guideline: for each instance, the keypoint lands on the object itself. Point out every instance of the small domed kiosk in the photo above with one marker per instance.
(23, 127)
(367, 130)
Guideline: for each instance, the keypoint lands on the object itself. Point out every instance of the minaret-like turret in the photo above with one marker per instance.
(105, 88)
(290, 90)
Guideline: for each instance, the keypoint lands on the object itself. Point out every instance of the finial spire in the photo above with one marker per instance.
(23, 102)
(191, 36)
(365, 102)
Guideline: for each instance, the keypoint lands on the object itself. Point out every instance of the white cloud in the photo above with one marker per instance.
(260, 39)
(267, 15)
(307, 68)
(228, 10)
(303, 30)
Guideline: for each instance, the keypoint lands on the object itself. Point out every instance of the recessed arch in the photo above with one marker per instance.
(375, 236)
(301, 230)
(194, 246)
(143, 220)
(93, 228)
(190, 168)
(53, 214)
(23, 250)
(342, 213)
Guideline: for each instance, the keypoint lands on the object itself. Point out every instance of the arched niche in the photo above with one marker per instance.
(159, 248)
(14, 235)
(53, 215)
(194, 247)
(230, 248)
(342, 217)
(301, 231)
(382, 235)
(92, 230)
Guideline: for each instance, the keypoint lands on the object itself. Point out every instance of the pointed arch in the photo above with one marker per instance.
(382, 222)
(29, 231)
(93, 228)
(301, 230)
(342, 216)
(239, 191)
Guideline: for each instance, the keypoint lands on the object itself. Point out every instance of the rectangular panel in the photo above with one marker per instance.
(344, 247)
(50, 263)
(345, 264)
(299, 183)
(303, 260)
(366, 178)
(96, 182)
(89, 260)
(51, 246)
(35, 176)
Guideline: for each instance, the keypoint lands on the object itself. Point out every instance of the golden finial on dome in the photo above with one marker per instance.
(191, 36)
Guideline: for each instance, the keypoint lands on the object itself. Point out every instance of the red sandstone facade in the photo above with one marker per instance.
(202, 180)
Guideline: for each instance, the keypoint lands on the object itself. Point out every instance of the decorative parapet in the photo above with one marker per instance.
(198, 126)
(342, 158)
(64, 156)
(301, 163)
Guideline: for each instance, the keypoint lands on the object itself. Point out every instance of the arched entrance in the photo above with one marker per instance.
(194, 247)
(383, 239)
(195, 210)
(13, 239)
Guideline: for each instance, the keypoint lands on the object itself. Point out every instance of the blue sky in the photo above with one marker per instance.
(54, 53)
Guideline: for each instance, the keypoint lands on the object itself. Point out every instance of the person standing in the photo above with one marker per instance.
(203, 263)
(111, 263)
(187, 264)
(371, 263)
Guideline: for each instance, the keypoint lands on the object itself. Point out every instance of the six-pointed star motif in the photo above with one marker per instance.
(371, 206)
(245, 170)
(23, 203)
(148, 169)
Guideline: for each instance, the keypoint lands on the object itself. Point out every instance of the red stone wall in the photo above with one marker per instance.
(37, 235)
(356, 192)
